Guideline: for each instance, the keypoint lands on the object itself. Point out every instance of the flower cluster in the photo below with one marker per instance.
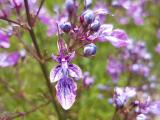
(136, 103)
(83, 31)
(134, 9)
(8, 59)
(134, 58)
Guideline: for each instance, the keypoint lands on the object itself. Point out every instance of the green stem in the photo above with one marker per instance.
(115, 114)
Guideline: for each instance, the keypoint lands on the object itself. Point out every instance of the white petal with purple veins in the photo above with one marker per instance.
(75, 71)
(116, 42)
(66, 92)
(56, 74)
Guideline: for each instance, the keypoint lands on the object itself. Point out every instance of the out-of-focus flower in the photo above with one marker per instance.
(114, 68)
(9, 59)
(87, 79)
(133, 10)
(158, 48)
(4, 40)
(122, 95)
(140, 69)
(143, 105)
(117, 37)
(155, 108)
(141, 117)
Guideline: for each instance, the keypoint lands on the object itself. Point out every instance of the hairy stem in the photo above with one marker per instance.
(42, 64)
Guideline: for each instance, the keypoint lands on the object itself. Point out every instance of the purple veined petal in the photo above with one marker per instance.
(70, 56)
(66, 92)
(106, 28)
(56, 74)
(9, 59)
(55, 58)
(118, 38)
(4, 40)
(75, 71)
(119, 33)
(116, 42)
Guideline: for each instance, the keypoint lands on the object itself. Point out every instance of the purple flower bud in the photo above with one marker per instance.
(90, 50)
(87, 17)
(66, 27)
(95, 25)
(69, 5)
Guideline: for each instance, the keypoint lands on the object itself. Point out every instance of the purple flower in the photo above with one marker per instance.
(114, 68)
(87, 79)
(4, 40)
(143, 105)
(158, 48)
(155, 108)
(9, 59)
(64, 73)
(66, 92)
(140, 69)
(117, 37)
(121, 95)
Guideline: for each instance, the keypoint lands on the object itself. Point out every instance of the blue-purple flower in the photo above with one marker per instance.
(122, 95)
(87, 79)
(114, 68)
(65, 73)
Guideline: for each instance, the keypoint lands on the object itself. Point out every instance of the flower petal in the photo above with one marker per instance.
(9, 59)
(75, 71)
(4, 40)
(56, 74)
(66, 92)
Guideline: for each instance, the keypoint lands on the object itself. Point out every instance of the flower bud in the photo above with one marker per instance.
(66, 27)
(90, 50)
(87, 17)
(95, 25)
(69, 5)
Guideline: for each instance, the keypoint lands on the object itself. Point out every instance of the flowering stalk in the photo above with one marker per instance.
(42, 64)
